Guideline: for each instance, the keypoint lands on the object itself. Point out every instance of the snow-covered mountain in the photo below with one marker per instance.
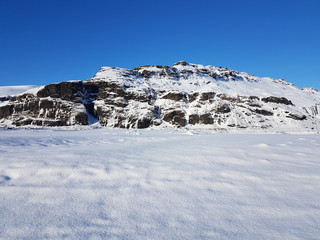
(184, 95)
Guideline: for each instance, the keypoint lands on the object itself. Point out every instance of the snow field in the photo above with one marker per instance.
(14, 90)
(158, 184)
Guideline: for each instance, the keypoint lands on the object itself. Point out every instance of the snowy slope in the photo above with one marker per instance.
(14, 90)
(199, 78)
(240, 92)
(119, 184)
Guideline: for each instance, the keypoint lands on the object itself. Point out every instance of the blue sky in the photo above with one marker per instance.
(46, 41)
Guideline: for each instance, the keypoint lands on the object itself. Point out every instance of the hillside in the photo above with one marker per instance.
(182, 96)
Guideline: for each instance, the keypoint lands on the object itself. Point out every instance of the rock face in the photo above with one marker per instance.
(184, 95)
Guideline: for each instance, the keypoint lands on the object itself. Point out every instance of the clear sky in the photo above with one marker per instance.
(46, 41)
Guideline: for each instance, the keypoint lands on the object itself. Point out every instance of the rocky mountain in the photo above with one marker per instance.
(184, 95)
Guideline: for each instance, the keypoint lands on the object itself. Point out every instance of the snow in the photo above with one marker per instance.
(14, 90)
(158, 184)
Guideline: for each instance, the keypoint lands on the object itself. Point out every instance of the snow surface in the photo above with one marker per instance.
(14, 90)
(158, 184)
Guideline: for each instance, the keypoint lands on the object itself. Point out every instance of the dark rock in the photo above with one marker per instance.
(81, 118)
(64, 90)
(206, 119)
(254, 105)
(7, 98)
(46, 104)
(193, 96)
(144, 122)
(253, 98)
(176, 118)
(163, 71)
(280, 100)
(50, 113)
(182, 63)
(148, 66)
(185, 73)
(118, 102)
(23, 97)
(263, 112)
(107, 89)
(49, 123)
(147, 74)
(23, 122)
(224, 108)
(207, 96)
(175, 96)
(171, 73)
(229, 98)
(32, 105)
(194, 119)
(54, 123)
(6, 111)
(296, 116)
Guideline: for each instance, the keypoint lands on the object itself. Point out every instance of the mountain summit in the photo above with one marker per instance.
(182, 95)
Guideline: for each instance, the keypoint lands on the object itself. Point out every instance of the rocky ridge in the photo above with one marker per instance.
(184, 95)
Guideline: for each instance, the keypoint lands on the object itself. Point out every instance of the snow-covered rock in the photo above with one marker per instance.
(184, 95)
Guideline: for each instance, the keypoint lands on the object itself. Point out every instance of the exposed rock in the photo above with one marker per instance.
(297, 117)
(229, 98)
(175, 118)
(66, 90)
(23, 122)
(224, 108)
(81, 118)
(193, 96)
(161, 71)
(182, 63)
(46, 104)
(144, 122)
(254, 105)
(6, 111)
(194, 119)
(206, 118)
(253, 98)
(2, 99)
(263, 112)
(175, 96)
(281, 100)
(207, 96)
(148, 66)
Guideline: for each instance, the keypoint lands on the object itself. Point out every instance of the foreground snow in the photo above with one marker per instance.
(119, 184)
